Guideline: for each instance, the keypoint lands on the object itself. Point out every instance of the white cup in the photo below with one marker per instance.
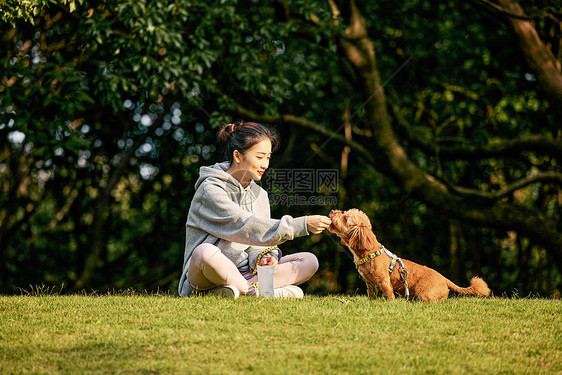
(265, 281)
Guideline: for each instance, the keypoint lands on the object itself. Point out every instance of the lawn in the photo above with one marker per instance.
(149, 334)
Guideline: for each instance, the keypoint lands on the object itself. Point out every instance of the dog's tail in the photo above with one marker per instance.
(478, 287)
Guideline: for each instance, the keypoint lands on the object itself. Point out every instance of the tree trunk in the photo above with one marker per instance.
(359, 51)
(540, 59)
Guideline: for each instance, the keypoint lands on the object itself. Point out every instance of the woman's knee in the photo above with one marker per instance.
(310, 262)
(303, 261)
(204, 253)
(314, 261)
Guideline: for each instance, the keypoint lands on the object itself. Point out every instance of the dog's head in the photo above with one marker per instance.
(354, 229)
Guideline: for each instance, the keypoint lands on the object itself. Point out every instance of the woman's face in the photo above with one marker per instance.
(252, 164)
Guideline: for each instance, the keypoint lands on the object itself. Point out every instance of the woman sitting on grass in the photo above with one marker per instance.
(229, 228)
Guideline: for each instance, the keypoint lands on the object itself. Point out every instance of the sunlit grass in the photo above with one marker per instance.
(131, 333)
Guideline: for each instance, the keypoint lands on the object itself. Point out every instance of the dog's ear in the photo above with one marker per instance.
(361, 237)
(353, 238)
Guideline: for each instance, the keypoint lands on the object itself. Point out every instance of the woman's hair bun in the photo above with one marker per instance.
(226, 132)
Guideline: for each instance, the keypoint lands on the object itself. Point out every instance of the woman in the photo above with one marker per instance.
(229, 229)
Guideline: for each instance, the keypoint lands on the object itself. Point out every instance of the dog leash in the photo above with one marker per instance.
(394, 259)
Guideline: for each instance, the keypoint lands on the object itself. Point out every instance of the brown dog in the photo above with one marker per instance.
(380, 268)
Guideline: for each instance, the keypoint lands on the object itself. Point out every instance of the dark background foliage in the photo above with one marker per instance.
(108, 109)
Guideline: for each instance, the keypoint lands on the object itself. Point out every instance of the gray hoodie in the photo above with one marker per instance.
(235, 219)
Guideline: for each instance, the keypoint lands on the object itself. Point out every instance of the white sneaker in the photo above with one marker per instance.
(291, 291)
(226, 291)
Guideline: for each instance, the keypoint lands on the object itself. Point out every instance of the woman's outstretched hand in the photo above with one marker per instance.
(317, 223)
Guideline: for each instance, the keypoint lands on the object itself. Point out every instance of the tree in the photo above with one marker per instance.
(435, 190)
(108, 109)
(91, 98)
(493, 200)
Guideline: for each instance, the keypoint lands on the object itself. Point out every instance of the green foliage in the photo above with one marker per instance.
(108, 109)
(12, 11)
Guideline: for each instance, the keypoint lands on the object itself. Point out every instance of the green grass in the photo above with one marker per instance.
(143, 334)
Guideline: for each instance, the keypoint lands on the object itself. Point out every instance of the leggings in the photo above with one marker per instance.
(209, 268)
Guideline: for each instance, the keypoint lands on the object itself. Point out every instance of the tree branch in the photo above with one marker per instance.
(305, 123)
(508, 190)
(499, 10)
(495, 8)
(541, 144)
